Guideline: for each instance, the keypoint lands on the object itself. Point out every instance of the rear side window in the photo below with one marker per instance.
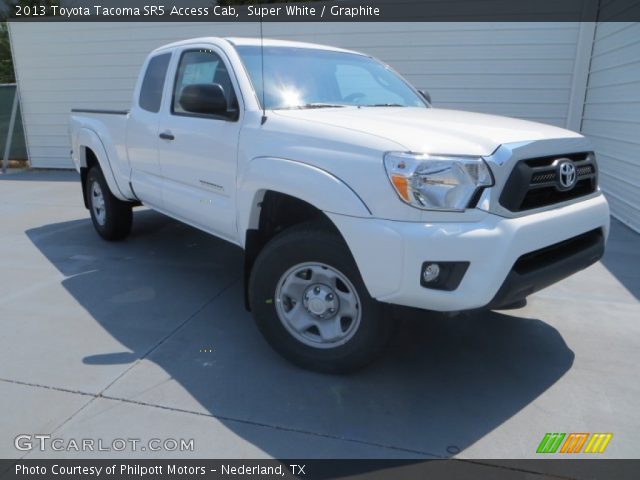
(151, 90)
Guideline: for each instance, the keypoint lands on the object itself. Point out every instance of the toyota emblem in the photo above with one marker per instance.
(567, 175)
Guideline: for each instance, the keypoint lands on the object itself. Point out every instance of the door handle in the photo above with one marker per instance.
(167, 136)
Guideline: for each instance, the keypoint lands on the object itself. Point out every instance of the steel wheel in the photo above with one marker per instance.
(310, 303)
(318, 305)
(97, 203)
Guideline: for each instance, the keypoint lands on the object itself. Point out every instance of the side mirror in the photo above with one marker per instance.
(425, 95)
(204, 98)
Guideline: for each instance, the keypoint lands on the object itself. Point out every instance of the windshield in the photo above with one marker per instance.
(312, 78)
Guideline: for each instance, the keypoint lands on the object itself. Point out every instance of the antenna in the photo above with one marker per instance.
(264, 107)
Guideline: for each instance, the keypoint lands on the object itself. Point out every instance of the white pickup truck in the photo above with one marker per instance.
(346, 189)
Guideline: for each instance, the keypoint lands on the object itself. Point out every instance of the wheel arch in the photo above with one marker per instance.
(276, 194)
(92, 153)
(302, 181)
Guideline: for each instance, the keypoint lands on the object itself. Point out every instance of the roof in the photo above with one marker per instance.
(270, 42)
(255, 41)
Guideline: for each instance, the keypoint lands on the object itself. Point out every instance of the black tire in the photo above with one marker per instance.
(304, 244)
(113, 220)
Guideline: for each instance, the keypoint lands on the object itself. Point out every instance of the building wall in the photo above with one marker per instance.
(524, 70)
(611, 116)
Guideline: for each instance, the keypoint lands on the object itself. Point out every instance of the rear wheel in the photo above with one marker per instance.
(311, 304)
(111, 217)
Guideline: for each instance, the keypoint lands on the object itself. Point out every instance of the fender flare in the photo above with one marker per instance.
(87, 138)
(306, 182)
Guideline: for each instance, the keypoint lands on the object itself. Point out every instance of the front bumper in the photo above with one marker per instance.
(546, 266)
(389, 254)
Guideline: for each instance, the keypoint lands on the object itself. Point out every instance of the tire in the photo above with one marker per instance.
(308, 260)
(111, 216)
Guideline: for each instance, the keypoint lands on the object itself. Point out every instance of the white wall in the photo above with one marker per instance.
(612, 116)
(524, 70)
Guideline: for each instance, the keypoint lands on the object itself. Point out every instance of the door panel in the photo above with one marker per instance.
(142, 133)
(198, 152)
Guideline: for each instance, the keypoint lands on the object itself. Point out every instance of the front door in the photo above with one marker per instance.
(198, 152)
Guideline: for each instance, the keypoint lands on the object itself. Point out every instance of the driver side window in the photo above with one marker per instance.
(202, 67)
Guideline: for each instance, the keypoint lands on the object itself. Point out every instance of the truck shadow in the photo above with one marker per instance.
(443, 385)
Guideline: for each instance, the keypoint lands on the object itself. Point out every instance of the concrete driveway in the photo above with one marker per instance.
(149, 338)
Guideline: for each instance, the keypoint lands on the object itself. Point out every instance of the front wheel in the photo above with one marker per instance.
(311, 304)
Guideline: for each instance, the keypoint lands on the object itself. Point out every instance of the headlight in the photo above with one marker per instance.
(436, 182)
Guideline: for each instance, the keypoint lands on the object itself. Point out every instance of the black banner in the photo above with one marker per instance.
(319, 469)
(326, 11)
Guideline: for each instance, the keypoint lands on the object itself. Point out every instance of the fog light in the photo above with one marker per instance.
(442, 275)
(431, 272)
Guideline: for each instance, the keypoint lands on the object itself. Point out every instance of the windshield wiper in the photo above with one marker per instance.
(322, 105)
(314, 105)
(383, 105)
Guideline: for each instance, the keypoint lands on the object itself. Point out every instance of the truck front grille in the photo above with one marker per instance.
(535, 183)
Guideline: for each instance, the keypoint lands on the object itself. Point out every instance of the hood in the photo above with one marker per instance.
(433, 130)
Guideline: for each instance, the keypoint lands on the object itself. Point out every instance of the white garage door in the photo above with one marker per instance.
(611, 116)
(518, 69)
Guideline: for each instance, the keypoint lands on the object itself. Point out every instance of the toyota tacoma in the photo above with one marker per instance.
(346, 189)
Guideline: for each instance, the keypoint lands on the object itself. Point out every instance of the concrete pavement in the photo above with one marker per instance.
(148, 338)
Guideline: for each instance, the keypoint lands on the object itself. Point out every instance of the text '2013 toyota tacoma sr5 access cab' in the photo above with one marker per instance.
(345, 188)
